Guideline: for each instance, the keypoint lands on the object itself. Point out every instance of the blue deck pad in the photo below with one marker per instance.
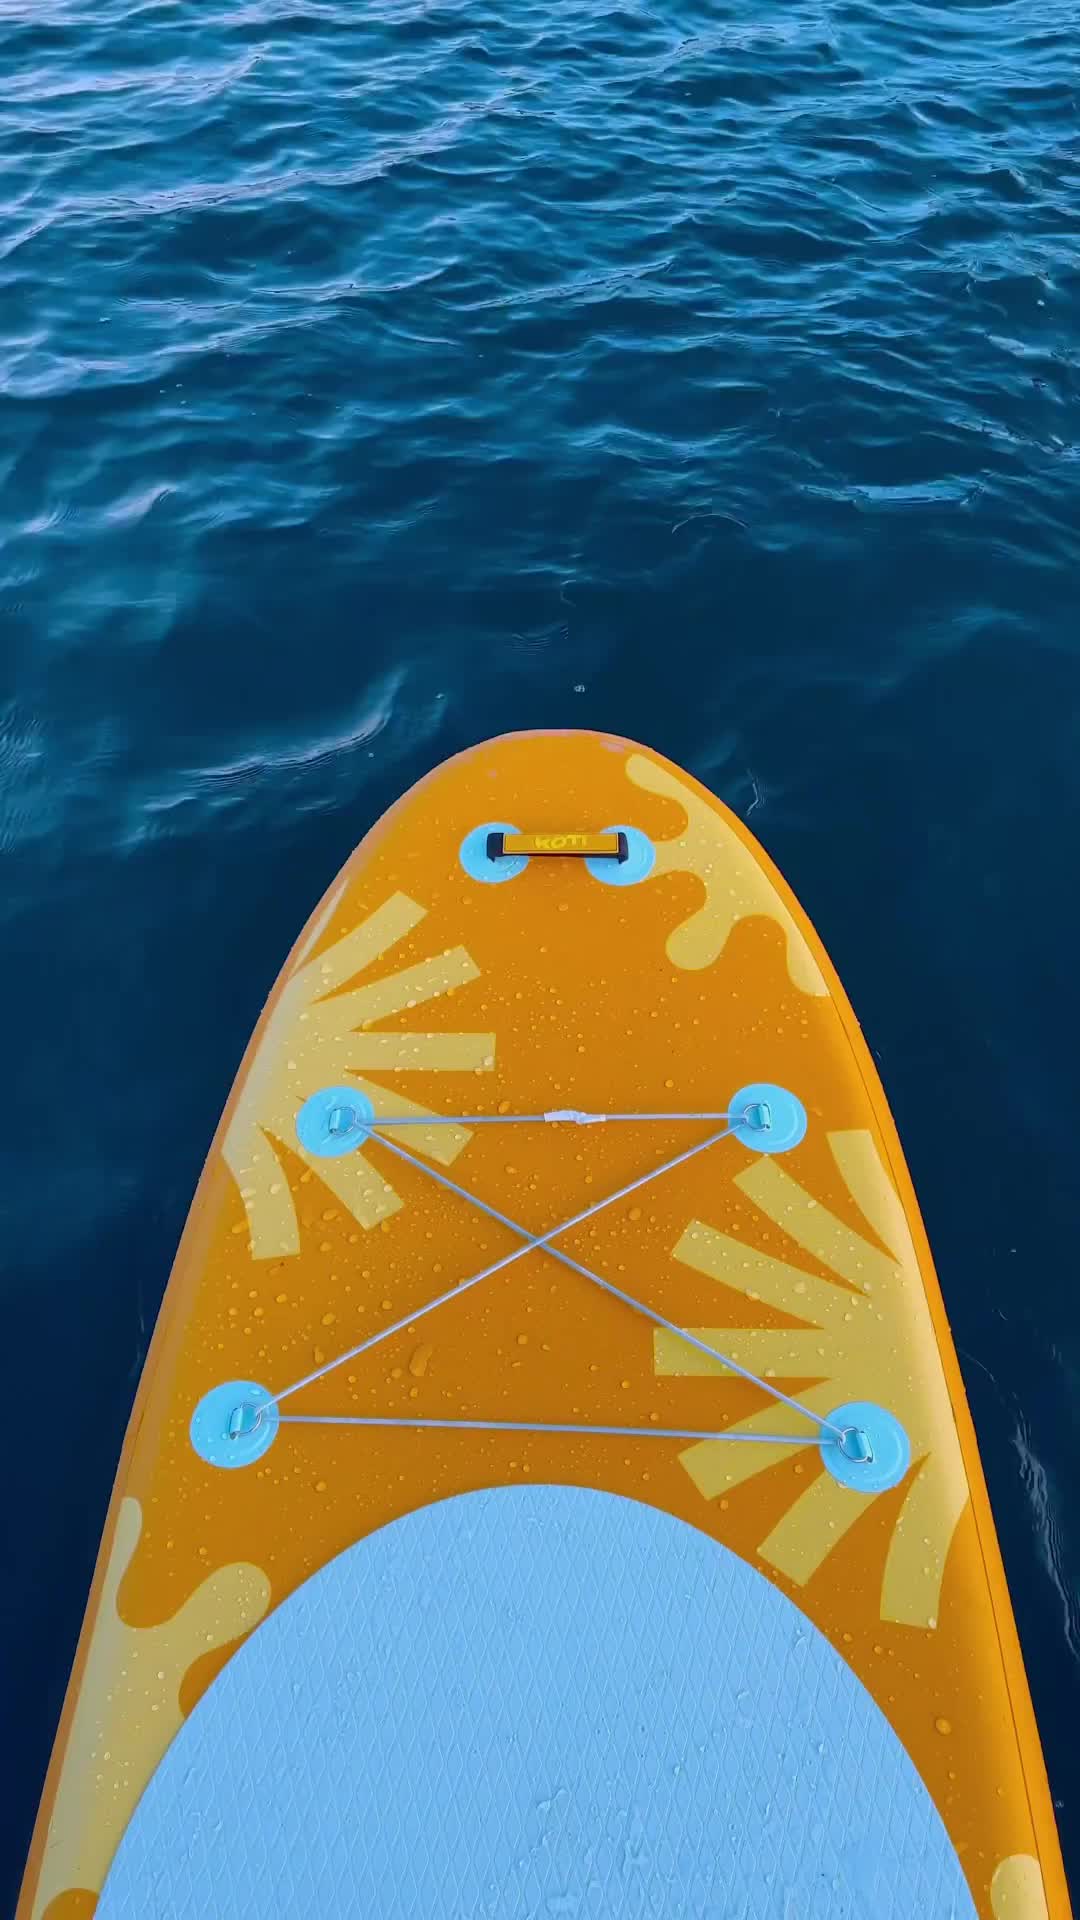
(532, 1702)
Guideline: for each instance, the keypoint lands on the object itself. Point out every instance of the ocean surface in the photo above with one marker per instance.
(376, 377)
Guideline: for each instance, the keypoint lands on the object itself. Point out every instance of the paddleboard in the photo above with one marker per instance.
(551, 1490)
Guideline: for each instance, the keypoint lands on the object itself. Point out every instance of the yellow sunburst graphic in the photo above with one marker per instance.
(869, 1339)
(318, 1034)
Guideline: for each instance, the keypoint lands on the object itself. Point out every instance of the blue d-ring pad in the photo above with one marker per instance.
(210, 1424)
(313, 1129)
(889, 1444)
(639, 862)
(473, 855)
(787, 1115)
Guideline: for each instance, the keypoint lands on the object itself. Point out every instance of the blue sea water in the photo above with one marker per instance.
(376, 377)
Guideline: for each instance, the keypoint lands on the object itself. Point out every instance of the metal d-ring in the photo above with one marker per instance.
(244, 1420)
(855, 1445)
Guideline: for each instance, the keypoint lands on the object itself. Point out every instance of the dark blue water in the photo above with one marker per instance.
(377, 377)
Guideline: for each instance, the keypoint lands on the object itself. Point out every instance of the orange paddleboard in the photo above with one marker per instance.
(551, 1489)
